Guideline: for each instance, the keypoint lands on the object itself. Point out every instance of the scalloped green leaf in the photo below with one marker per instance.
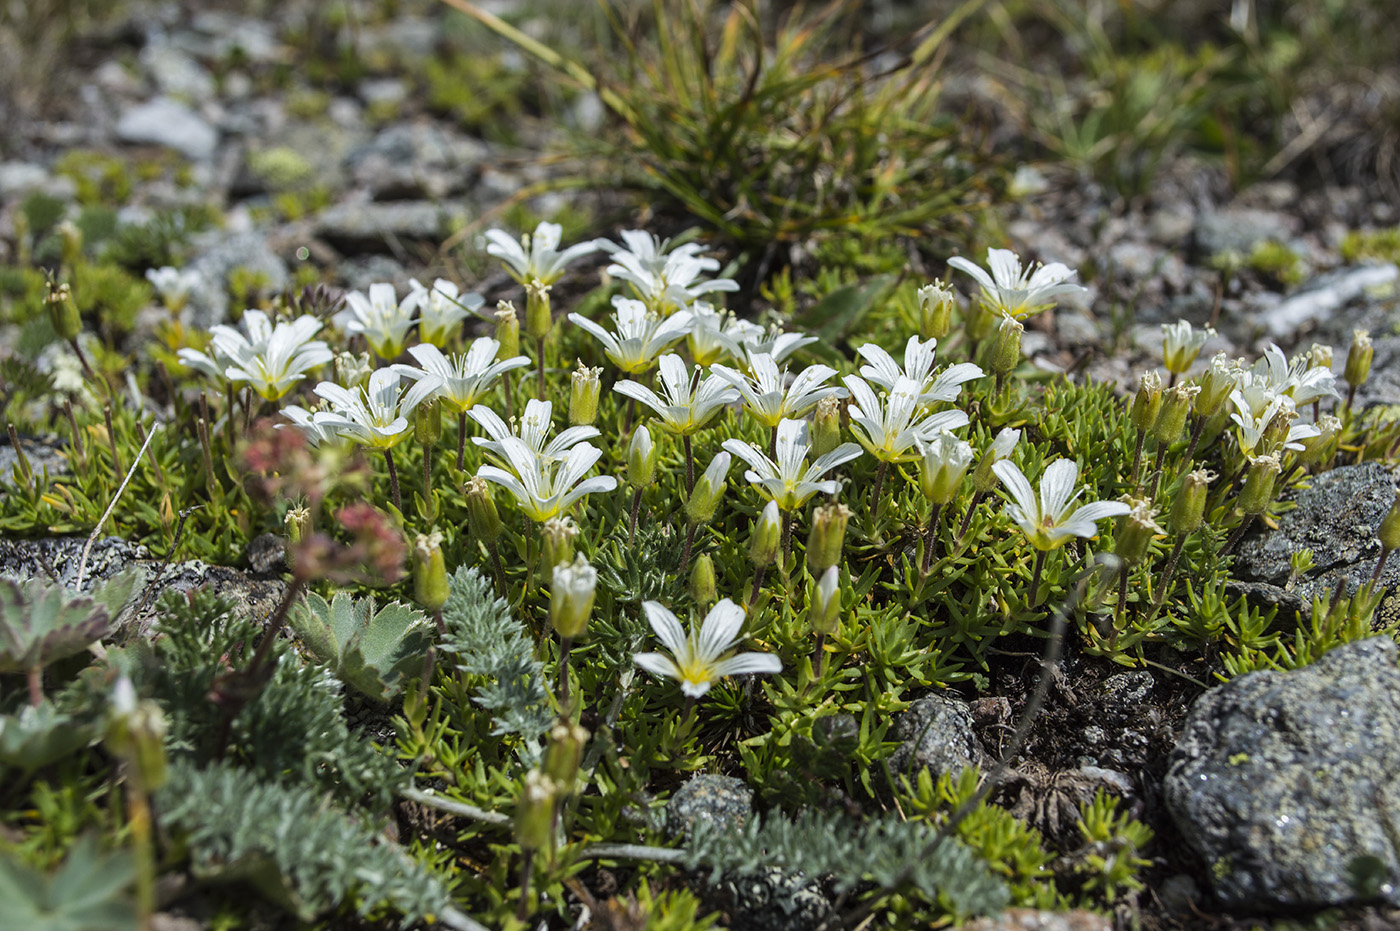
(39, 735)
(41, 622)
(370, 651)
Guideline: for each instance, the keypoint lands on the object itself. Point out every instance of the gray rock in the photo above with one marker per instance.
(254, 40)
(217, 254)
(177, 73)
(771, 900)
(1240, 229)
(1031, 919)
(1337, 518)
(1281, 782)
(411, 161)
(45, 457)
(1325, 295)
(938, 736)
(166, 122)
(18, 178)
(382, 227)
(723, 801)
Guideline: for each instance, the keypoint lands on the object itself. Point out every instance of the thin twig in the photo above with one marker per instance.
(461, 809)
(87, 547)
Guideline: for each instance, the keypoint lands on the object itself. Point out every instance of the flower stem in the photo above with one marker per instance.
(818, 654)
(1035, 578)
(632, 521)
(1380, 565)
(462, 441)
(931, 538)
(1167, 577)
(1235, 537)
(427, 473)
(757, 583)
(773, 443)
(500, 572)
(77, 435)
(565, 645)
(509, 392)
(689, 542)
(689, 465)
(1137, 458)
(539, 371)
(788, 520)
(879, 486)
(393, 479)
(967, 518)
(527, 864)
(117, 469)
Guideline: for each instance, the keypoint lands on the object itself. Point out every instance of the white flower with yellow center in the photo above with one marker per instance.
(698, 659)
(791, 481)
(686, 403)
(380, 318)
(641, 335)
(1015, 291)
(536, 257)
(532, 430)
(545, 487)
(1050, 520)
(718, 334)
(270, 359)
(459, 380)
(1181, 345)
(918, 368)
(766, 396)
(442, 309)
(666, 280)
(375, 415)
(887, 428)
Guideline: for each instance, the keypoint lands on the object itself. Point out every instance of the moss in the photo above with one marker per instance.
(1376, 245)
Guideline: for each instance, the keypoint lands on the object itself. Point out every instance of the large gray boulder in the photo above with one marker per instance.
(1285, 782)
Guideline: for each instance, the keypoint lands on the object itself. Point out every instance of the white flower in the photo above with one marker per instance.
(718, 334)
(458, 380)
(375, 415)
(305, 421)
(380, 318)
(1050, 520)
(533, 428)
(1181, 345)
(1252, 426)
(666, 281)
(688, 405)
(542, 486)
(571, 596)
(918, 368)
(1014, 291)
(641, 334)
(777, 344)
(271, 359)
(174, 285)
(790, 481)
(697, 659)
(943, 461)
(542, 262)
(1005, 441)
(888, 429)
(441, 309)
(767, 399)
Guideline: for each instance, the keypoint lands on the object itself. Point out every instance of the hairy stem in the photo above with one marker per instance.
(632, 520)
(931, 536)
(393, 480)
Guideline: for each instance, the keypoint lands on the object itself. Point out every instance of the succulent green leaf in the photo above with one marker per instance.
(368, 650)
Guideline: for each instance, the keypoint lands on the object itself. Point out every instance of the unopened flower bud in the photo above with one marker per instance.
(1389, 531)
(136, 731)
(539, 320)
(983, 478)
(534, 812)
(709, 488)
(1189, 506)
(943, 461)
(507, 331)
(427, 423)
(563, 755)
(583, 395)
(1275, 433)
(1358, 367)
(571, 597)
(767, 536)
(352, 370)
(824, 614)
(1136, 531)
(482, 517)
(559, 534)
(825, 432)
(1258, 488)
(1216, 382)
(935, 310)
(827, 537)
(63, 312)
(297, 523)
(1181, 345)
(1006, 346)
(1147, 403)
(1176, 407)
(703, 587)
(430, 588)
(641, 459)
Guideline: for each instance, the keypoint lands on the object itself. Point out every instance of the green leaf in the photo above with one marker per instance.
(41, 622)
(370, 651)
(40, 735)
(88, 893)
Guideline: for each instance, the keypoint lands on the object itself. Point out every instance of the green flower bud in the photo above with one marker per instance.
(1189, 506)
(641, 459)
(981, 322)
(1176, 407)
(1136, 531)
(1275, 433)
(136, 731)
(430, 588)
(703, 587)
(571, 597)
(1216, 383)
(63, 312)
(482, 517)
(827, 537)
(534, 812)
(1318, 448)
(1258, 488)
(825, 432)
(297, 523)
(539, 319)
(1389, 531)
(559, 534)
(1181, 345)
(767, 536)
(1358, 367)
(943, 462)
(709, 489)
(583, 395)
(427, 423)
(1147, 404)
(1006, 346)
(983, 478)
(936, 310)
(507, 331)
(824, 611)
(563, 755)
